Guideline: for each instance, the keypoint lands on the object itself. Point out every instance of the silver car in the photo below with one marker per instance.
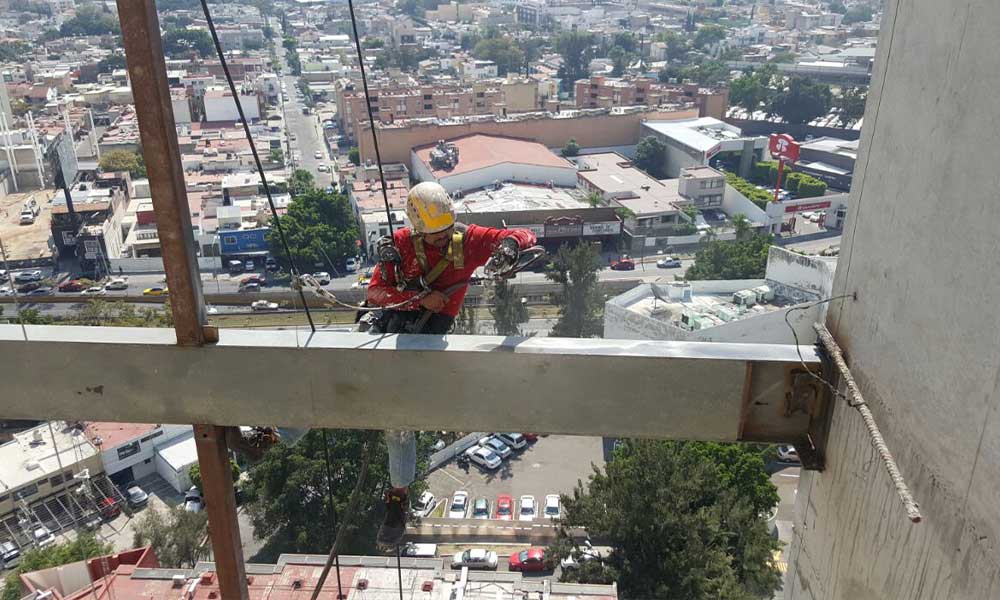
(475, 559)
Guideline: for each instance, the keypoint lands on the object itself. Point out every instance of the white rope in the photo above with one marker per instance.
(317, 289)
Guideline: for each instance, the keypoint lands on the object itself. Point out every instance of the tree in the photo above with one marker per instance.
(509, 309)
(123, 160)
(708, 35)
(119, 314)
(742, 259)
(277, 156)
(466, 322)
(354, 155)
(503, 51)
(175, 534)
(677, 47)
(783, 57)
(708, 72)
(742, 225)
(110, 63)
(319, 227)
(620, 60)
(851, 105)
(194, 473)
(571, 148)
(14, 51)
(286, 498)
(651, 156)
(90, 21)
(684, 520)
(180, 43)
(858, 14)
(579, 300)
(300, 182)
(838, 7)
(576, 50)
(595, 199)
(753, 89)
(802, 100)
(85, 546)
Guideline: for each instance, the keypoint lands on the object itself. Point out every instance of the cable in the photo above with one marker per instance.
(371, 116)
(256, 157)
(333, 510)
(836, 392)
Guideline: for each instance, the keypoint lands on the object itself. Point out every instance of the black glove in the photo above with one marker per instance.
(386, 251)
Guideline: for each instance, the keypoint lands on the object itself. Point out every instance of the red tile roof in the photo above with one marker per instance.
(478, 151)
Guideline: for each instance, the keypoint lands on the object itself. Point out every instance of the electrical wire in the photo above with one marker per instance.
(833, 389)
(256, 156)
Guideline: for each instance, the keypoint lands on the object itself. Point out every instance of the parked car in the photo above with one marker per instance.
(118, 283)
(263, 306)
(481, 509)
(136, 497)
(322, 277)
(250, 287)
(788, 454)
(235, 266)
(72, 285)
(531, 438)
(624, 264)
(270, 264)
(322, 168)
(514, 440)
(527, 509)
(484, 457)
(193, 501)
(6, 291)
(252, 279)
(419, 550)
(109, 508)
(475, 558)
(424, 505)
(317, 155)
(580, 555)
(248, 265)
(42, 536)
(155, 291)
(26, 276)
(532, 559)
(459, 504)
(10, 555)
(552, 509)
(28, 287)
(496, 446)
(3, 275)
(352, 265)
(505, 507)
(95, 290)
(668, 262)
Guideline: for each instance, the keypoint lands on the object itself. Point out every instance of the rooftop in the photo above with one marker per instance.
(479, 151)
(31, 455)
(512, 197)
(834, 146)
(696, 311)
(618, 179)
(701, 134)
(109, 435)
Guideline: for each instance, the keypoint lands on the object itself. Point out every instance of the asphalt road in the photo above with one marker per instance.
(305, 129)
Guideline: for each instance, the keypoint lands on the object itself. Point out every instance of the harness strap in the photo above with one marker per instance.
(454, 256)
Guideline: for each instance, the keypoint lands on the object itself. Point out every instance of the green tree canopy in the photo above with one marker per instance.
(754, 89)
(85, 546)
(743, 259)
(14, 51)
(503, 51)
(651, 156)
(286, 495)
(319, 227)
(802, 100)
(300, 182)
(576, 50)
(90, 21)
(354, 156)
(179, 43)
(194, 473)
(571, 148)
(858, 14)
(708, 35)
(110, 63)
(175, 534)
(508, 311)
(677, 47)
(851, 104)
(684, 520)
(580, 303)
(123, 160)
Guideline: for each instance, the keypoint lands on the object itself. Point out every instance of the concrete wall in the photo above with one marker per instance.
(922, 338)
(155, 264)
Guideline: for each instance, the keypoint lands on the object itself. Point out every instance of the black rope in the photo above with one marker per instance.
(371, 116)
(399, 573)
(333, 510)
(256, 157)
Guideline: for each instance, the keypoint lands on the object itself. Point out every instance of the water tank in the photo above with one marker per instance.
(679, 291)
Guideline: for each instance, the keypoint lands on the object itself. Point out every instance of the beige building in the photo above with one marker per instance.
(606, 92)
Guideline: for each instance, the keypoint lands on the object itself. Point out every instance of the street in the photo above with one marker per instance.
(304, 134)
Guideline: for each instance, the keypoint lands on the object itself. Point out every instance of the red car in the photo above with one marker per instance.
(109, 508)
(532, 559)
(73, 285)
(505, 507)
(625, 264)
(530, 437)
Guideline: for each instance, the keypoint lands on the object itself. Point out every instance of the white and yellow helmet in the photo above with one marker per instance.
(429, 208)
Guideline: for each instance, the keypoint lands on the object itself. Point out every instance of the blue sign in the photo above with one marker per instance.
(240, 241)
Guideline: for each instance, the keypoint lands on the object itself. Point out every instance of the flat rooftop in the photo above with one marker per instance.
(32, 454)
(619, 179)
(705, 309)
(701, 134)
(513, 197)
(479, 151)
(109, 435)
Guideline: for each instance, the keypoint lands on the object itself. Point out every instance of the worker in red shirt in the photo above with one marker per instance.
(427, 268)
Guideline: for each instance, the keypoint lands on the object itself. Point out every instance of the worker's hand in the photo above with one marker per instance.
(434, 302)
(506, 255)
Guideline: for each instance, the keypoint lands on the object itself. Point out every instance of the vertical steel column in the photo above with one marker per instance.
(148, 73)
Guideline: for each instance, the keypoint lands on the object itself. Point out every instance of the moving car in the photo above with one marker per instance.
(481, 509)
(532, 559)
(322, 277)
(623, 264)
(263, 306)
(424, 505)
(3, 275)
(253, 286)
(475, 559)
(322, 168)
(40, 291)
(118, 283)
(155, 291)
(514, 440)
(788, 454)
(505, 507)
(26, 276)
(496, 446)
(73, 285)
(527, 509)
(252, 279)
(668, 262)
(352, 265)
(42, 536)
(135, 496)
(193, 501)
(459, 504)
(419, 550)
(317, 155)
(484, 457)
(552, 509)
(95, 290)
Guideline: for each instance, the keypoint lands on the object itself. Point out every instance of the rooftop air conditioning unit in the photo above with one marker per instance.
(177, 580)
(745, 298)
(764, 293)
(36, 435)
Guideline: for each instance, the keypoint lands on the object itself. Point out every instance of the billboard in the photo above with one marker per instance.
(244, 241)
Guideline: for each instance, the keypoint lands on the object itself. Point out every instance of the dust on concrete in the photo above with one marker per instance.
(24, 242)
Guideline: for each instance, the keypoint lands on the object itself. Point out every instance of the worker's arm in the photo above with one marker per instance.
(384, 293)
(481, 242)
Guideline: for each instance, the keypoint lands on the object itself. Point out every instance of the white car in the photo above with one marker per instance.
(93, 291)
(317, 155)
(27, 276)
(322, 277)
(583, 554)
(496, 446)
(475, 559)
(322, 168)
(420, 550)
(193, 501)
(424, 505)
(43, 537)
(552, 509)
(484, 457)
(459, 504)
(263, 306)
(352, 265)
(118, 283)
(527, 509)
(788, 454)
(514, 440)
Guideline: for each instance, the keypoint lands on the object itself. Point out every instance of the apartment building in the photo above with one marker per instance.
(601, 91)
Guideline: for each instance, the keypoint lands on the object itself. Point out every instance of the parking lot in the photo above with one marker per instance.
(551, 465)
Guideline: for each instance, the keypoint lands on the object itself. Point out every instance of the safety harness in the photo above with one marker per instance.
(454, 256)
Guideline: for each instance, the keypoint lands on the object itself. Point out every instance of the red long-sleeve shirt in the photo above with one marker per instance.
(478, 244)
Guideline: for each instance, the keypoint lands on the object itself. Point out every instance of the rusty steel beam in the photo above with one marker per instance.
(157, 130)
(148, 72)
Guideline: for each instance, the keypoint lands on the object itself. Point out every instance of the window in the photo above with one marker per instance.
(157, 433)
(54, 481)
(427, 96)
(128, 450)
(480, 94)
(26, 491)
(704, 184)
(229, 239)
(428, 107)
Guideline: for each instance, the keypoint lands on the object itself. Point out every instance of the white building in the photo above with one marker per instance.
(219, 105)
(479, 69)
(745, 310)
(131, 451)
(693, 142)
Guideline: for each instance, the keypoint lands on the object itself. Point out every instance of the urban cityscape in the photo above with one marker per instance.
(683, 170)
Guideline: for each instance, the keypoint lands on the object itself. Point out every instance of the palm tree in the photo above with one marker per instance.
(742, 225)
